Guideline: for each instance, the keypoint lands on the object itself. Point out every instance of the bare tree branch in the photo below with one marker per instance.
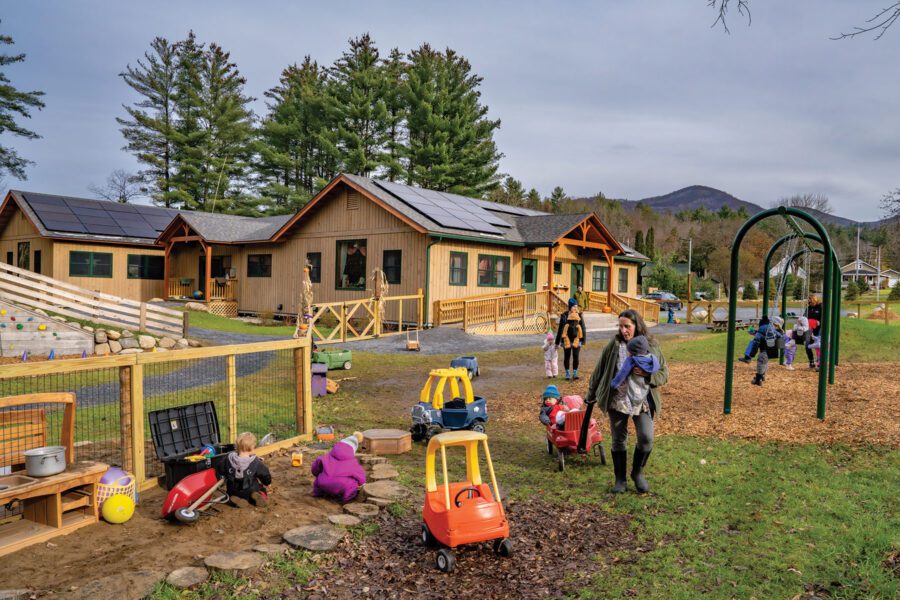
(817, 202)
(743, 8)
(119, 187)
(880, 23)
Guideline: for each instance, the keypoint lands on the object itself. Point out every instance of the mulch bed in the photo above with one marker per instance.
(553, 551)
(861, 406)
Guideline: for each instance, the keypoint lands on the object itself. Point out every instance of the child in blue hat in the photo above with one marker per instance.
(549, 404)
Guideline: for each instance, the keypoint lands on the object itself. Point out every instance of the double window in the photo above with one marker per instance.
(391, 264)
(600, 279)
(350, 266)
(90, 264)
(459, 266)
(623, 280)
(259, 265)
(145, 266)
(493, 271)
(314, 261)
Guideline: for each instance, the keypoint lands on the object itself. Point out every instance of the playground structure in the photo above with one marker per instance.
(831, 294)
(29, 333)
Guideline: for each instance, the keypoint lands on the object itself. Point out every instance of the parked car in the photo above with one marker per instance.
(666, 300)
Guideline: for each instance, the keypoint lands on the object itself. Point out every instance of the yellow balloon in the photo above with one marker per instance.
(117, 509)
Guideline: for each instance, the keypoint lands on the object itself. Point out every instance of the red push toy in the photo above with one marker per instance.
(566, 440)
(192, 495)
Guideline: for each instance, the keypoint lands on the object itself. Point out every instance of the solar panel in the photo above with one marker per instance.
(99, 217)
(505, 208)
(447, 210)
(68, 226)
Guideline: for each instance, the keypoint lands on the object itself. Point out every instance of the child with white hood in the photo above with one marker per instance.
(796, 336)
(551, 357)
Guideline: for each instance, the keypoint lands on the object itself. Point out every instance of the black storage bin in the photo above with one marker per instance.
(182, 431)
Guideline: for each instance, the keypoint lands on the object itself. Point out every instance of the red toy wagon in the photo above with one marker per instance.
(565, 439)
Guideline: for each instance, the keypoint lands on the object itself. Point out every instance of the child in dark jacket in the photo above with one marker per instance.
(549, 405)
(338, 473)
(246, 476)
(771, 340)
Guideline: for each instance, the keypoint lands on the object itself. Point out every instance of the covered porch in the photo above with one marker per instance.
(198, 270)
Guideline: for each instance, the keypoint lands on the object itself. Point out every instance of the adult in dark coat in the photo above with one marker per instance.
(813, 311)
(575, 340)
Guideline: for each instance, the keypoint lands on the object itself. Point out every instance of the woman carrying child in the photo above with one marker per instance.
(615, 403)
(570, 336)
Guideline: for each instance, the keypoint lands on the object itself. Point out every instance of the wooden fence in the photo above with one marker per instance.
(114, 428)
(23, 287)
(511, 313)
(447, 312)
(337, 322)
(648, 310)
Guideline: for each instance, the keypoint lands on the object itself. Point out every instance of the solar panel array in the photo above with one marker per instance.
(99, 217)
(447, 210)
(506, 208)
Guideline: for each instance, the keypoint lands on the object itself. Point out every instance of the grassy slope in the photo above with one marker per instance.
(204, 320)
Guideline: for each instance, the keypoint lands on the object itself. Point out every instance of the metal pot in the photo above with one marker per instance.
(46, 461)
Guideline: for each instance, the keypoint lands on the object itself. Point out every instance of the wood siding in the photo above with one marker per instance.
(119, 284)
(19, 229)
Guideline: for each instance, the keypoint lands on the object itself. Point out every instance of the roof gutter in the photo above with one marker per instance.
(428, 274)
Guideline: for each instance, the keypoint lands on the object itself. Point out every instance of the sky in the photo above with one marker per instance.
(632, 99)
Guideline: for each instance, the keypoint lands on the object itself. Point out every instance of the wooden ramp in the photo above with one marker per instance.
(23, 330)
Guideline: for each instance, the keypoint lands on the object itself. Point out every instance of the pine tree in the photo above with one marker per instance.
(511, 192)
(556, 199)
(148, 130)
(450, 139)
(798, 288)
(895, 292)
(13, 102)
(650, 244)
(394, 75)
(533, 200)
(852, 291)
(749, 291)
(639, 242)
(357, 93)
(189, 138)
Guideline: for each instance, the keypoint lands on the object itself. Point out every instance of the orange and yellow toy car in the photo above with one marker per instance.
(463, 512)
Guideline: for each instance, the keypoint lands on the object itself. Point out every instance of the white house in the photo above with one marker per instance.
(863, 271)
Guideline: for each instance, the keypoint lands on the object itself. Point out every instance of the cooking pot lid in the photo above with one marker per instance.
(45, 450)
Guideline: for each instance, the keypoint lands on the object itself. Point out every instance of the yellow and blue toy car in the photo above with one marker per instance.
(464, 410)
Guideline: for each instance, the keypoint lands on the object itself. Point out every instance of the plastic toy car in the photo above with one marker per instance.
(462, 512)
(469, 363)
(565, 440)
(463, 411)
(335, 359)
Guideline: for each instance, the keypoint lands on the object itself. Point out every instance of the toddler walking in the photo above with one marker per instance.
(551, 357)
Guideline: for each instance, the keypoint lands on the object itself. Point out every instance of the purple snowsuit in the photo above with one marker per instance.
(338, 473)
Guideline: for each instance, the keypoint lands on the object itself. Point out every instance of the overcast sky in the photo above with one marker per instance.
(634, 99)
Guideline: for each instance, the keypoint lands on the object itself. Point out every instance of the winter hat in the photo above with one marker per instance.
(802, 324)
(550, 336)
(352, 442)
(551, 392)
(638, 346)
(777, 321)
(572, 302)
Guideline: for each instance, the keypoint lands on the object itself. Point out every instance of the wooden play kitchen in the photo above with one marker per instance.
(52, 505)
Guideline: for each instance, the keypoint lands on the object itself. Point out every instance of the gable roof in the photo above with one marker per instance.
(228, 229)
(69, 217)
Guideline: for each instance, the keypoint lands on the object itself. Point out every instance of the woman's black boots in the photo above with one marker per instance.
(620, 463)
(640, 459)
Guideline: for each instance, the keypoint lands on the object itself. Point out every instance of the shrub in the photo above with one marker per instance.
(852, 292)
(749, 291)
(895, 292)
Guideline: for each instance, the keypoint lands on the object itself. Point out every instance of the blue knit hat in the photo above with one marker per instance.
(551, 392)
(572, 302)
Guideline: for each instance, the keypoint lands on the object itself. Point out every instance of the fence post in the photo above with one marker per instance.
(126, 417)
(420, 308)
(496, 314)
(142, 320)
(343, 323)
(886, 313)
(231, 384)
(689, 312)
(757, 310)
(185, 322)
(303, 388)
(137, 421)
(465, 316)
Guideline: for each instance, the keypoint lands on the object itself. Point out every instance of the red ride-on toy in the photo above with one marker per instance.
(463, 512)
(192, 495)
(566, 440)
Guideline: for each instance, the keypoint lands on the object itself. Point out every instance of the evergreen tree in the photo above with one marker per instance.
(189, 138)
(852, 292)
(533, 200)
(798, 288)
(556, 199)
(639, 242)
(895, 292)
(148, 130)
(749, 291)
(450, 143)
(357, 94)
(12, 103)
(650, 244)
(511, 192)
(394, 75)
(294, 152)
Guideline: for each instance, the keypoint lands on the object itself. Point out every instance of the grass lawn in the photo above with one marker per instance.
(205, 320)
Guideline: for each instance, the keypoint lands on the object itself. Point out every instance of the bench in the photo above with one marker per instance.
(721, 325)
(50, 506)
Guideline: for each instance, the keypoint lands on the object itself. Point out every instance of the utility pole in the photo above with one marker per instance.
(878, 278)
(856, 278)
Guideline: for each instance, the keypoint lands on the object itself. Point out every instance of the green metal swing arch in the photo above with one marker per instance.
(831, 296)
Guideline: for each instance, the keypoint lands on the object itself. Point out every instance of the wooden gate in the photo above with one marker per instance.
(336, 322)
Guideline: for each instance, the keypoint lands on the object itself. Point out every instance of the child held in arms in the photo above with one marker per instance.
(637, 386)
(246, 476)
(338, 473)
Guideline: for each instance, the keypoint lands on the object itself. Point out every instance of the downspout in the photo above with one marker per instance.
(426, 306)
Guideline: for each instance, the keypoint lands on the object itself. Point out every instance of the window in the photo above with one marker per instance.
(493, 271)
(9, 258)
(623, 281)
(557, 267)
(314, 260)
(459, 266)
(391, 262)
(145, 266)
(600, 279)
(259, 265)
(37, 261)
(90, 264)
(24, 252)
(350, 265)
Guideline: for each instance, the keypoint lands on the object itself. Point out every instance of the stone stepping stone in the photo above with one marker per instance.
(236, 563)
(187, 577)
(344, 520)
(385, 474)
(131, 584)
(271, 549)
(362, 510)
(389, 490)
(369, 459)
(382, 502)
(383, 467)
(320, 538)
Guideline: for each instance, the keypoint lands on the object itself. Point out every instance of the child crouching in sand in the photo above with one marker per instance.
(338, 473)
(246, 476)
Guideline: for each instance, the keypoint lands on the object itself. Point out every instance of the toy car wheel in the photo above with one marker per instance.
(418, 432)
(561, 460)
(478, 426)
(427, 538)
(503, 547)
(445, 561)
(549, 447)
(432, 431)
(471, 374)
(186, 515)
(347, 365)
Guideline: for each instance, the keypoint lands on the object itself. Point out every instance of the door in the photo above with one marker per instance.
(201, 275)
(529, 274)
(577, 277)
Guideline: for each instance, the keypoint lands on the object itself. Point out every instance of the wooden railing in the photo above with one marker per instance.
(180, 287)
(335, 322)
(711, 307)
(597, 301)
(20, 286)
(446, 312)
(514, 306)
(648, 310)
(222, 290)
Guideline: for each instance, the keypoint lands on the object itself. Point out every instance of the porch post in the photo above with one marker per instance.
(550, 270)
(609, 277)
(209, 250)
(165, 294)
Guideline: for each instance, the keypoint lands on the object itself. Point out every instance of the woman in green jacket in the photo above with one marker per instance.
(615, 404)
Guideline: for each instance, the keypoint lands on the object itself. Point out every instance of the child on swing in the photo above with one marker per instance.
(794, 338)
(770, 341)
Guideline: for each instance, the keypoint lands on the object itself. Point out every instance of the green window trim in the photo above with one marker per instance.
(392, 265)
(259, 265)
(623, 280)
(462, 271)
(338, 274)
(314, 260)
(600, 279)
(146, 266)
(492, 272)
(557, 267)
(94, 263)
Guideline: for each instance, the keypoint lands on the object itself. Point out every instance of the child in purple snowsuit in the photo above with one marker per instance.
(338, 473)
